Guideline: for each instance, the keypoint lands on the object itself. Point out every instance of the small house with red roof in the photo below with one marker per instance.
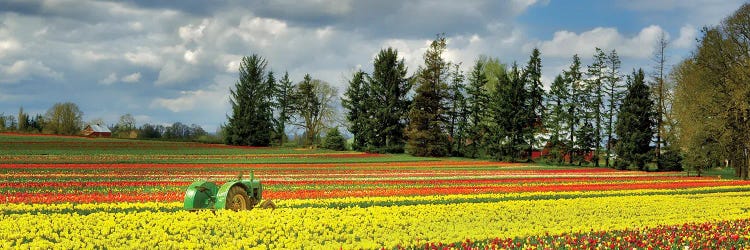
(96, 130)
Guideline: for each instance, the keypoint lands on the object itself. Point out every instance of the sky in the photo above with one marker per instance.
(175, 61)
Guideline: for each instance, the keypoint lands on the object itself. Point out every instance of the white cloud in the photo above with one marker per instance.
(175, 72)
(565, 43)
(92, 56)
(144, 57)
(8, 46)
(214, 98)
(135, 77)
(25, 69)
(136, 26)
(193, 32)
(260, 31)
(191, 56)
(687, 37)
(178, 48)
(110, 79)
(521, 5)
(42, 32)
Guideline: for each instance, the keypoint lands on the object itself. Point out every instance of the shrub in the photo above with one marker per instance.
(334, 140)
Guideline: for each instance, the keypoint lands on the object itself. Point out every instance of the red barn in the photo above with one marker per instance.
(96, 130)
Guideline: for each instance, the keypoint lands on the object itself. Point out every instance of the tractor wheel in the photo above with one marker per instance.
(237, 199)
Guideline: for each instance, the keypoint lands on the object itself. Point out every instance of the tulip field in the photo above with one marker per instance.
(72, 192)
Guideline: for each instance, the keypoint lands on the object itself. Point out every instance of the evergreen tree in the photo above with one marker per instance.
(427, 114)
(456, 104)
(584, 139)
(271, 102)
(635, 124)
(509, 118)
(37, 124)
(615, 93)
(388, 87)
(334, 140)
(355, 102)
(595, 87)
(556, 121)
(535, 98)
(476, 110)
(574, 107)
(251, 120)
(284, 103)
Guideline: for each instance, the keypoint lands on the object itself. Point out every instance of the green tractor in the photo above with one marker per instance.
(235, 195)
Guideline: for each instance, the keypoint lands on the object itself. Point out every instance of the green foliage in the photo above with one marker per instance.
(534, 100)
(457, 113)
(477, 97)
(180, 131)
(251, 120)
(574, 114)
(284, 95)
(595, 103)
(334, 140)
(355, 101)
(427, 116)
(64, 119)
(313, 107)
(509, 118)
(149, 131)
(614, 93)
(387, 103)
(492, 69)
(635, 124)
(556, 119)
(23, 120)
(712, 103)
(670, 160)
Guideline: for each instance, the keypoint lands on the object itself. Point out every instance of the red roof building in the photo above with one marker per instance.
(96, 130)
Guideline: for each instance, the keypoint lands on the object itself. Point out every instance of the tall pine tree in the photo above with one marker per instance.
(284, 103)
(388, 88)
(476, 109)
(574, 108)
(535, 98)
(556, 121)
(596, 77)
(251, 120)
(614, 95)
(509, 118)
(456, 104)
(635, 124)
(272, 103)
(427, 116)
(355, 102)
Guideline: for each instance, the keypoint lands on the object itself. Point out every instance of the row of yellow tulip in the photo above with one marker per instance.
(82, 208)
(357, 227)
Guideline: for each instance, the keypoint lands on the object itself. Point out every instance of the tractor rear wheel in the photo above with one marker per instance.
(237, 199)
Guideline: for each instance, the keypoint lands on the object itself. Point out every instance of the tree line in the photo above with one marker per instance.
(67, 119)
(495, 111)
(62, 118)
(262, 107)
(697, 115)
(503, 113)
(711, 98)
